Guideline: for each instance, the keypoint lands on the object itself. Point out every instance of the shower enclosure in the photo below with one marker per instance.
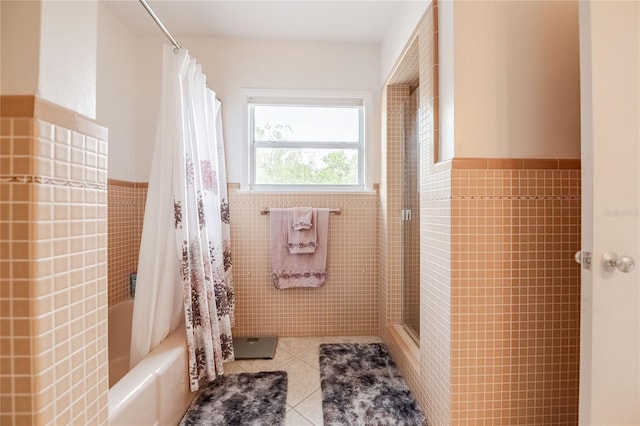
(411, 218)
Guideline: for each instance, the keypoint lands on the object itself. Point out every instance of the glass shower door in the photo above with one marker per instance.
(411, 219)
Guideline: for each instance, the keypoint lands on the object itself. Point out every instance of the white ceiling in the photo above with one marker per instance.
(300, 20)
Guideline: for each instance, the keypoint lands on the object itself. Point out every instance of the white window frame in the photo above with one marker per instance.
(359, 99)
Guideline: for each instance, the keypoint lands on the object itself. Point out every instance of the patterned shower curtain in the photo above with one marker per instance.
(190, 192)
(201, 220)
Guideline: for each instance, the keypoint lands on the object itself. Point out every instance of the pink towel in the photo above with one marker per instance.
(297, 270)
(302, 236)
(301, 218)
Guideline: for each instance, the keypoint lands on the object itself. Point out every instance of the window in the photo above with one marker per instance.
(304, 143)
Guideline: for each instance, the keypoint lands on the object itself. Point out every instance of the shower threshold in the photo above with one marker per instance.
(255, 347)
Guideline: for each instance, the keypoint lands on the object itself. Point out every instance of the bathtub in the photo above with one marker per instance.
(154, 392)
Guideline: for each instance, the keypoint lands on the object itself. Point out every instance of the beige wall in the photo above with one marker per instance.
(19, 53)
(446, 71)
(49, 50)
(516, 76)
(116, 100)
(68, 33)
(401, 29)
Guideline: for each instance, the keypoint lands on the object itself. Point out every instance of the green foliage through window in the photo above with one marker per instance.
(306, 143)
(306, 166)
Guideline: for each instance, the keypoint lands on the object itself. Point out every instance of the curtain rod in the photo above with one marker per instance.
(163, 28)
(158, 22)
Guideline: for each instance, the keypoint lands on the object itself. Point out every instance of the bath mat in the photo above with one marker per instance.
(362, 386)
(240, 399)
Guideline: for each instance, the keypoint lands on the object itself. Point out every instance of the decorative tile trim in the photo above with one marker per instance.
(125, 203)
(14, 106)
(516, 163)
(50, 181)
(503, 197)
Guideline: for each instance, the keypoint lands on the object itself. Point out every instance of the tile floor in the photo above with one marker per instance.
(298, 356)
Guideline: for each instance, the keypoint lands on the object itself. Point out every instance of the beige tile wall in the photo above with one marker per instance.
(347, 304)
(435, 223)
(348, 301)
(16, 400)
(53, 242)
(435, 297)
(515, 292)
(126, 214)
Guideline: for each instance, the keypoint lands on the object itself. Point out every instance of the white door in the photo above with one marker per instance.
(610, 101)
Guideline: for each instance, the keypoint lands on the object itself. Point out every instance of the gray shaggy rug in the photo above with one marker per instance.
(246, 399)
(362, 386)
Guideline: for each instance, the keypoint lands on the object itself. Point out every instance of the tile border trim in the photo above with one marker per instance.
(126, 183)
(32, 106)
(51, 181)
(503, 197)
(516, 163)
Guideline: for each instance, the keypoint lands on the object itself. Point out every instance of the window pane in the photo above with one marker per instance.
(306, 123)
(304, 166)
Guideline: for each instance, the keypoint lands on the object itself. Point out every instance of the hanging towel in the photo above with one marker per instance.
(301, 218)
(302, 238)
(298, 270)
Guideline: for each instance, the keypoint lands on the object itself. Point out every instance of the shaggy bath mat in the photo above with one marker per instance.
(240, 399)
(362, 386)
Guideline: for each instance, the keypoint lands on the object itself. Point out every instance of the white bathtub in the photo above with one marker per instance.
(154, 392)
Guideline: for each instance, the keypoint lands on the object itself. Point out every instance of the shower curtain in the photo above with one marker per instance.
(185, 255)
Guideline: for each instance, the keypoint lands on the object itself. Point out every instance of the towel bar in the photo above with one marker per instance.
(335, 211)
